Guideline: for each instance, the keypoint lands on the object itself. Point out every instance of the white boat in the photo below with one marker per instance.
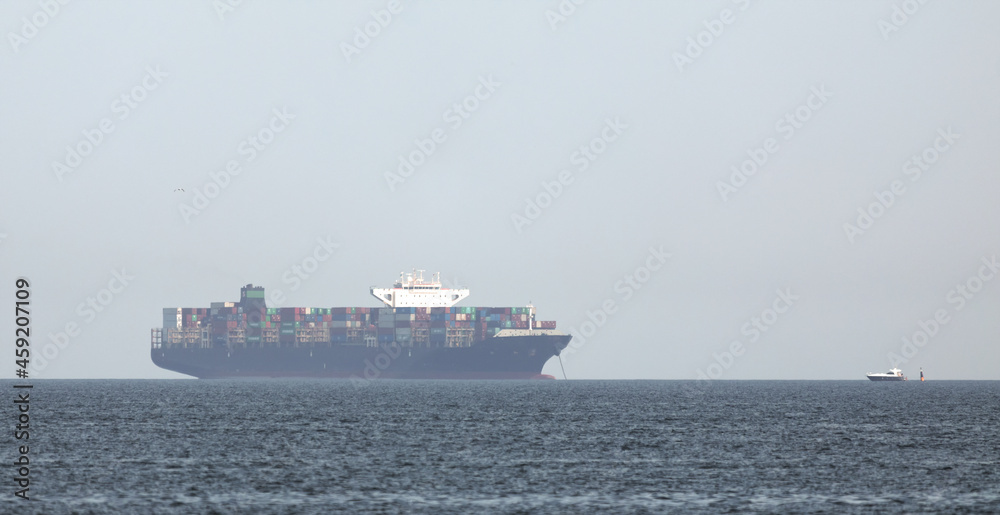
(893, 374)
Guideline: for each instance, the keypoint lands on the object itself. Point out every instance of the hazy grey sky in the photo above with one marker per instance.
(108, 107)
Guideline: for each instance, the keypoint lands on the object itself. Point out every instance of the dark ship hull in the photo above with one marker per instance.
(509, 357)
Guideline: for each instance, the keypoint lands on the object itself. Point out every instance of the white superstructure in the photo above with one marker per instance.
(411, 290)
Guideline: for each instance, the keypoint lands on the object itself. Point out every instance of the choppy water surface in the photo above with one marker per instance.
(510, 447)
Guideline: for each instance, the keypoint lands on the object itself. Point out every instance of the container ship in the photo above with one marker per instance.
(417, 333)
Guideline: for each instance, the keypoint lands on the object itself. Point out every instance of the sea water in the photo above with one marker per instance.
(328, 446)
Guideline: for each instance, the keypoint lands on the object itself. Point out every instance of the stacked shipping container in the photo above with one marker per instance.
(238, 324)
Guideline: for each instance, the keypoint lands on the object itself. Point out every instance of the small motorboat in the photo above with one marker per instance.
(893, 374)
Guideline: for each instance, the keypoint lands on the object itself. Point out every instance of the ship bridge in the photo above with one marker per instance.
(411, 290)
